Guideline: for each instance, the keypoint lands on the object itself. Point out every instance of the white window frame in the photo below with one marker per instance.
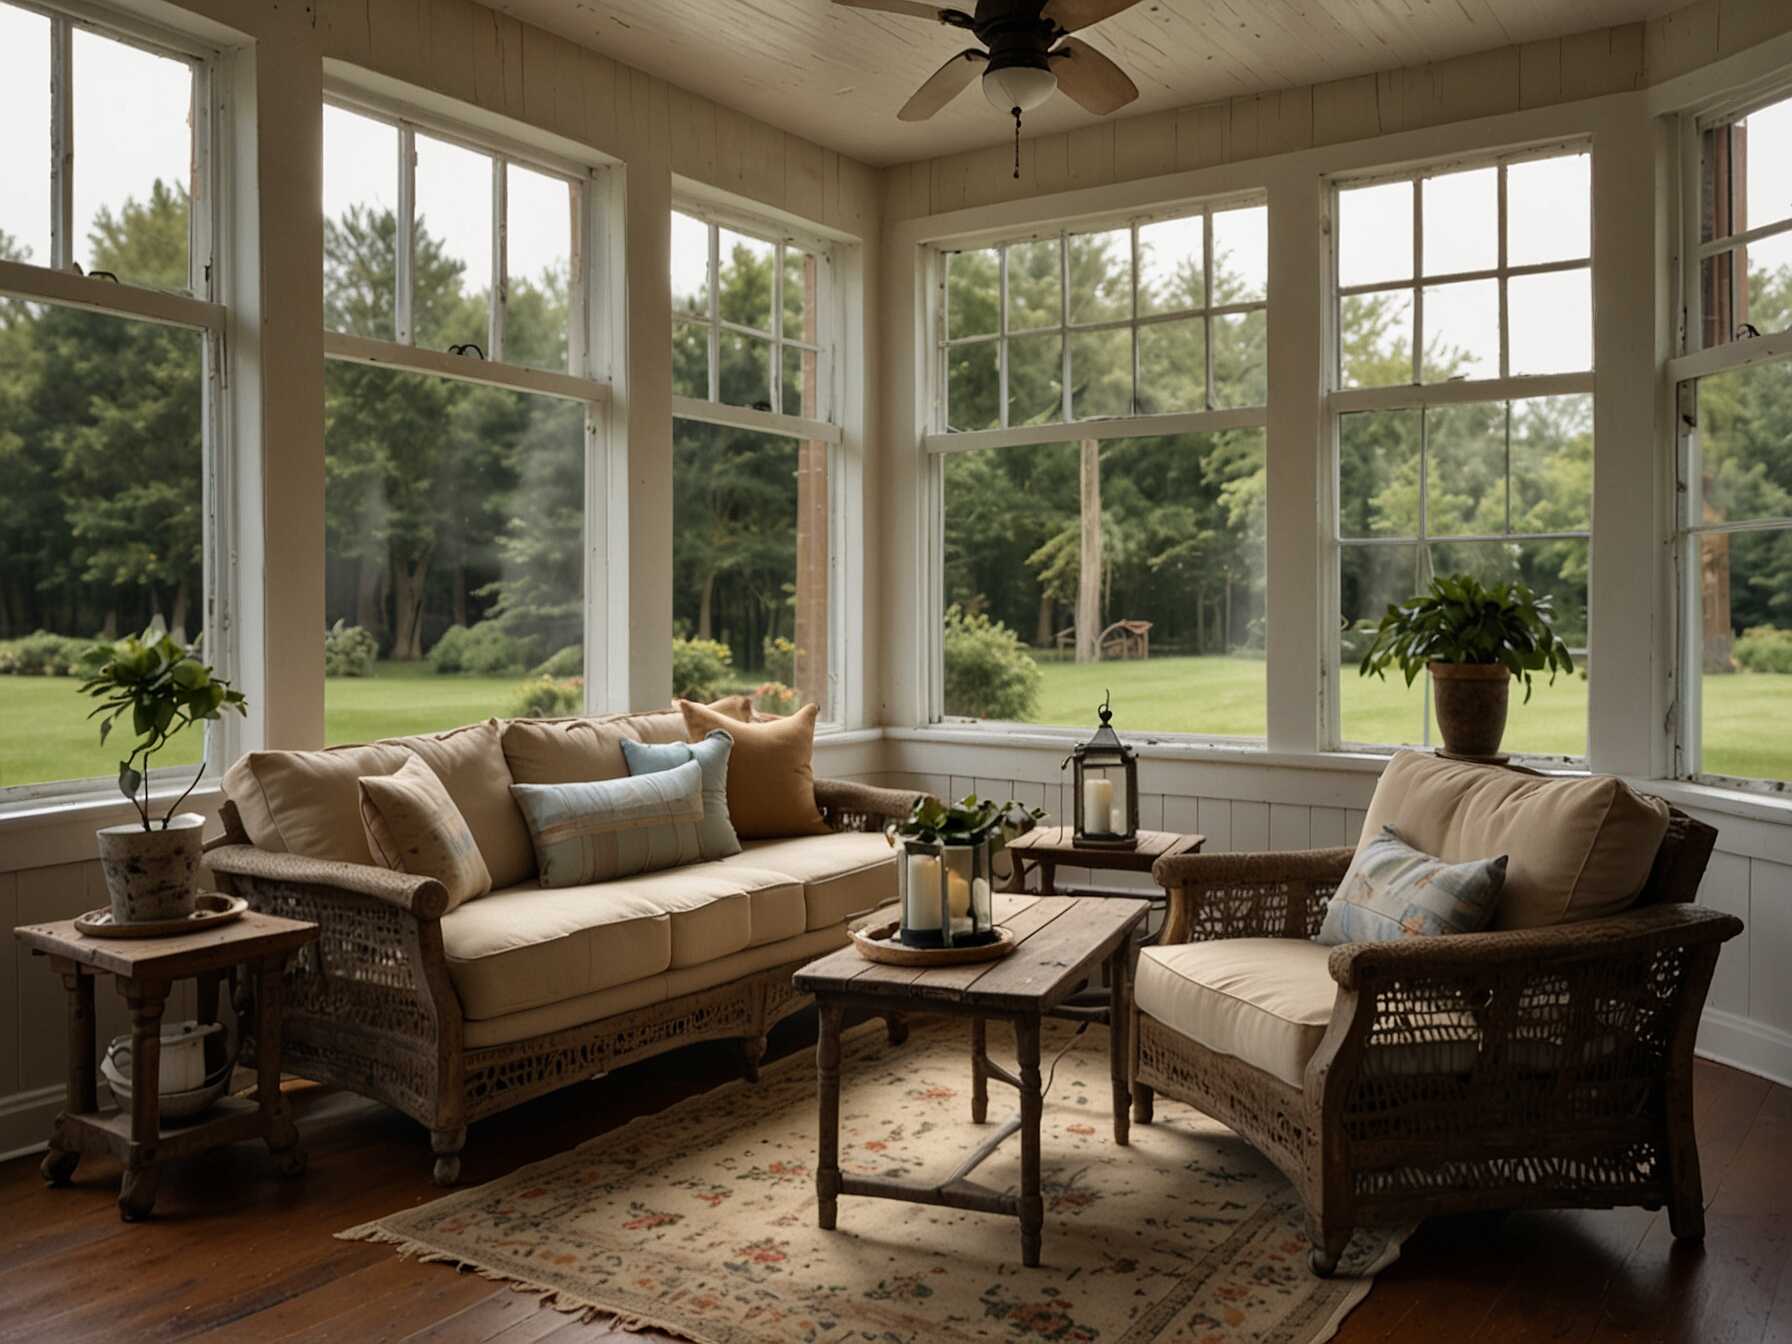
(1694, 362)
(199, 309)
(1424, 397)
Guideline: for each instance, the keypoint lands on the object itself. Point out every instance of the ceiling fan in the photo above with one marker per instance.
(1027, 54)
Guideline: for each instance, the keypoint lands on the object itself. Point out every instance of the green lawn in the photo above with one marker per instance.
(44, 733)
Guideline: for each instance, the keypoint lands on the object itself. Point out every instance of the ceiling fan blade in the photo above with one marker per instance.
(1090, 78)
(943, 85)
(1073, 14)
(913, 9)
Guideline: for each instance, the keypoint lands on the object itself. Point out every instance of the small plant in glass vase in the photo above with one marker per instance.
(163, 688)
(1475, 638)
(954, 854)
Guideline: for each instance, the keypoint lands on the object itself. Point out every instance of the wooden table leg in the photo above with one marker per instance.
(1119, 1021)
(137, 1194)
(979, 1070)
(82, 1094)
(1032, 1106)
(283, 1134)
(1048, 874)
(827, 1068)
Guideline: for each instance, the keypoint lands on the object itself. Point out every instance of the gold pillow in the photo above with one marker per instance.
(771, 782)
(414, 827)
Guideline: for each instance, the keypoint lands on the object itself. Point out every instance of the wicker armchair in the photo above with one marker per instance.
(1545, 1068)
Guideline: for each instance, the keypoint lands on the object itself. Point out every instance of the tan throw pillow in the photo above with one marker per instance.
(414, 827)
(308, 802)
(578, 750)
(470, 763)
(771, 782)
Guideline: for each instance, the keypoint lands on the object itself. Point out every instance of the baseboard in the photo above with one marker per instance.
(1743, 1043)
(25, 1119)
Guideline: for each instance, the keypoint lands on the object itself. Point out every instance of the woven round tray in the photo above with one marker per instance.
(879, 944)
(210, 909)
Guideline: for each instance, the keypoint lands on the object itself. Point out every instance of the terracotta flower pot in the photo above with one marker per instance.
(1471, 703)
(150, 874)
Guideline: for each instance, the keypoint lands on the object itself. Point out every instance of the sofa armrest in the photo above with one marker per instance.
(1261, 895)
(851, 806)
(423, 897)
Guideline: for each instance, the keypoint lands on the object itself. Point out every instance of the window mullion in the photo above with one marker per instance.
(1209, 400)
(1133, 404)
(777, 369)
(1418, 287)
(62, 144)
(1002, 337)
(500, 296)
(1505, 321)
(404, 257)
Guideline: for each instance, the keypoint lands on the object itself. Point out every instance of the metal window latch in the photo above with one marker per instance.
(1747, 331)
(468, 348)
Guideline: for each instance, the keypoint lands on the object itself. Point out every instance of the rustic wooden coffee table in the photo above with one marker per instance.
(1061, 941)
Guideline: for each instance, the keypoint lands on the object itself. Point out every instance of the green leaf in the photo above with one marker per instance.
(129, 780)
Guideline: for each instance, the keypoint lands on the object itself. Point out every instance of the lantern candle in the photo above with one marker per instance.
(923, 907)
(1098, 804)
(958, 894)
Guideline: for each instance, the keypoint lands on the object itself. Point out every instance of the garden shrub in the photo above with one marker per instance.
(44, 655)
(483, 650)
(989, 673)
(774, 697)
(700, 668)
(1764, 648)
(567, 662)
(780, 659)
(549, 698)
(349, 651)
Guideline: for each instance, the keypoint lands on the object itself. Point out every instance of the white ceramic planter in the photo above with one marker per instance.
(150, 874)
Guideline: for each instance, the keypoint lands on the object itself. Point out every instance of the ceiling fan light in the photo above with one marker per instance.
(1018, 86)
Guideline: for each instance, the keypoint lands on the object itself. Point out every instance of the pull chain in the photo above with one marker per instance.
(1017, 142)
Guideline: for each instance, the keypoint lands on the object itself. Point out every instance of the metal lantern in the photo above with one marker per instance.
(1105, 788)
(947, 892)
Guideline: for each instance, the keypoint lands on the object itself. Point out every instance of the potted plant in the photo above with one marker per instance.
(150, 864)
(947, 879)
(1475, 638)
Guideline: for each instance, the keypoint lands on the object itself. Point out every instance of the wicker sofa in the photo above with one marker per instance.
(1522, 1067)
(452, 1015)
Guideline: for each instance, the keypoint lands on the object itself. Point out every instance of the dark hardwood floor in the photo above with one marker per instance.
(234, 1254)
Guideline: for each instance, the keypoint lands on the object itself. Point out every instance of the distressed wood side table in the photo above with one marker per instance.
(1061, 940)
(145, 969)
(1049, 848)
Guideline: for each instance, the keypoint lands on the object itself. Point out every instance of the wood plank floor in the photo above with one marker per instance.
(234, 1254)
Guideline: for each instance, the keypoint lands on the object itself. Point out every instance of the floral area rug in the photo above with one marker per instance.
(701, 1220)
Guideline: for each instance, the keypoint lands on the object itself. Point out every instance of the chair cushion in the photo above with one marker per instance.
(1579, 848)
(715, 833)
(1394, 891)
(771, 782)
(470, 763)
(308, 802)
(841, 873)
(414, 827)
(570, 751)
(608, 828)
(1266, 1001)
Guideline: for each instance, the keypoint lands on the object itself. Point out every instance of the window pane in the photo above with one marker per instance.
(1241, 255)
(1549, 210)
(133, 133)
(1035, 287)
(746, 368)
(1462, 331)
(1746, 620)
(690, 359)
(451, 293)
(1171, 266)
(690, 265)
(1465, 486)
(1746, 471)
(1378, 473)
(973, 293)
(750, 566)
(1549, 322)
(1462, 221)
(1035, 379)
(360, 224)
(102, 522)
(1766, 303)
(1380, 711)
(25, 149)
(801, 294)
(538, 267)
(1769, 133)
(1100, 373)
(1173, 366)
(1375, 339)
(1375, 234)
(973, 389)
(1241, 359)
(454, 527)
(800, 389)
(1552, 464)
(1100, 275)
(1179, 632)
(744, 288)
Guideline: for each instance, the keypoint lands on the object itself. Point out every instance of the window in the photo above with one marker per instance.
(1463, 415)
(109, 347)
(1744, 250)
(752, 548)
(461, 414)
(1099, 435)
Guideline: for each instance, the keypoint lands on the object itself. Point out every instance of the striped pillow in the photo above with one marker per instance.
(1394, 891)
(716, 834)
(592, 832)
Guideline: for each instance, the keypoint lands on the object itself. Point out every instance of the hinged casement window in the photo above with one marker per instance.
(112, 333)
(1462, 414)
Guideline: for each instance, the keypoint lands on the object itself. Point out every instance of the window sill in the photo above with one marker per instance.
(44, 832)
(1218, 751)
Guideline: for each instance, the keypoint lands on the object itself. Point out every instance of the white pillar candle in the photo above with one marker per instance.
(980, 895)
(923, 910)
(1119, 826)
(1098, 805)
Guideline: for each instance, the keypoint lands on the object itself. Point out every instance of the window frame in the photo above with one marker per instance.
(1339, 401)
(200, 309)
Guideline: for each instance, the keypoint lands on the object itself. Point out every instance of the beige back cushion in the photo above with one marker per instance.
(1580, 848)
(574, 751)
(413, 826)
(470, 763)
(309, 802)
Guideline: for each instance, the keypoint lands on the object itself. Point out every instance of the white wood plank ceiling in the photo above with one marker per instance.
(837, 76)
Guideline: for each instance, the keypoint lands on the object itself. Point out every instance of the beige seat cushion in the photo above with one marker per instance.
(577, 750)
(1580, 848)
(308, 802)
(771, 780)
(413, 826)
(841, 873)
(470, 763)
(1266, 1001)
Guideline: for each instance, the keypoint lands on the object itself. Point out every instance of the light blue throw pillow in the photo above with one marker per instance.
(1394, 891)
(593, 832)
(716, 835)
